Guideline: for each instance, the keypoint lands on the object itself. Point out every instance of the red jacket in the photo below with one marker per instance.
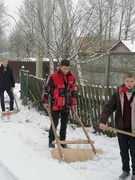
(62, 91)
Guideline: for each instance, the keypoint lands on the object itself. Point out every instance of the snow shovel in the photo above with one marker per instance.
(121, 131)
(88, 137)
(68, 155)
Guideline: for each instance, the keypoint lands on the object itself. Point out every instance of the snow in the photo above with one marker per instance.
(24, 152)
(129, 44)
(35, 59)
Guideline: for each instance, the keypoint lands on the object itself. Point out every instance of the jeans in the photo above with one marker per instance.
(11, 97)
(127, 149)
(63, 117)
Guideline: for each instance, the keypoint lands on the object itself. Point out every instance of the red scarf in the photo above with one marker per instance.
(125, 89)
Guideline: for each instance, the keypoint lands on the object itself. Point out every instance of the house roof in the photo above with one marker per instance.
(94, 44)
(130, 45)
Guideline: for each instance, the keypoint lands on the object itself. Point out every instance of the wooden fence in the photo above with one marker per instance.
(90, 101)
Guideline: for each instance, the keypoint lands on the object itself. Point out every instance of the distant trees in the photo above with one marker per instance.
(57, 29)
(127, 19)
(3, 24)
(108, 19)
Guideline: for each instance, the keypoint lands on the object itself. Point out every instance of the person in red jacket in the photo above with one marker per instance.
(62, 90)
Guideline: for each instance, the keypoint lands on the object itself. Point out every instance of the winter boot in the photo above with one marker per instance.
(124, 175)
(51, 145)
(64, 146)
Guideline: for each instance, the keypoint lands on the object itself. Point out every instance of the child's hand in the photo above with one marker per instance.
(46, 106)
(102, 126)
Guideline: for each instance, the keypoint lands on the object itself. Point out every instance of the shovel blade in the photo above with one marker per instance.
(74, 155)
(8, 113)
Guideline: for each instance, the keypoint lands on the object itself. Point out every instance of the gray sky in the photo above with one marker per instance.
(11, 8)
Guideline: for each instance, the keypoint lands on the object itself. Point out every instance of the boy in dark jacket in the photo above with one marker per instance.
(62, 90)
(123, 102)
(7, 83)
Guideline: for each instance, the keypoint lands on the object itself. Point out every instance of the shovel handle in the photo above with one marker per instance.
(55, 134)
(121, 131)
(89, 140)
(75, 142)
(15, 101)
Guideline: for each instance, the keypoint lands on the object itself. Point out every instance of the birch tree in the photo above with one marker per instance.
(127, 20)
(3, 26)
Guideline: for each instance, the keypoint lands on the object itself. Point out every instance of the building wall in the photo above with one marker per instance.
(105, 69)
(108, 69)
(120, 47)
(28, 65)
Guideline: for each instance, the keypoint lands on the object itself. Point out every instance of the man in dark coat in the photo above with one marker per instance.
(123, 103)
(7, 83)
(62, 89)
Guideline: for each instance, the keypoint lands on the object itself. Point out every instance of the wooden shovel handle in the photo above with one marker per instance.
(55, 134)
(89, 140)
(15, 101)
(74, 142)
(121, 131)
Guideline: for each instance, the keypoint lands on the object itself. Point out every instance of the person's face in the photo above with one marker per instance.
(64, 69)
(129, 82)
(4, 62)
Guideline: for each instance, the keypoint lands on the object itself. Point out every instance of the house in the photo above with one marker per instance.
(123, 46)
(92, 45)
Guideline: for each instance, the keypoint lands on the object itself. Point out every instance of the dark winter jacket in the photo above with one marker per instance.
(62, 90)
(116, 103)
(6, 78)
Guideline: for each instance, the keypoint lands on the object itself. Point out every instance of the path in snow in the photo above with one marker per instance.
(5, 174)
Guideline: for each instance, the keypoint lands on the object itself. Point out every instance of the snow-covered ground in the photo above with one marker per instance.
(24, 152)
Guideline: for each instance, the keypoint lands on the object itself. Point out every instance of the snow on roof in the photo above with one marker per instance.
(129, 44)
(34, 59)
(29, 59)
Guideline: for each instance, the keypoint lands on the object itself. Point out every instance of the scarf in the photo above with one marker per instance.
(125, 89)
(4, 68)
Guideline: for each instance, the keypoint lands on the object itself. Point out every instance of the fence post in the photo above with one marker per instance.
(107, 70)
(24, 85)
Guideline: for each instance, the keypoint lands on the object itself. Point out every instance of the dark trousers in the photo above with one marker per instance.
(63, 117)
(127, 149)
(11, 97)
